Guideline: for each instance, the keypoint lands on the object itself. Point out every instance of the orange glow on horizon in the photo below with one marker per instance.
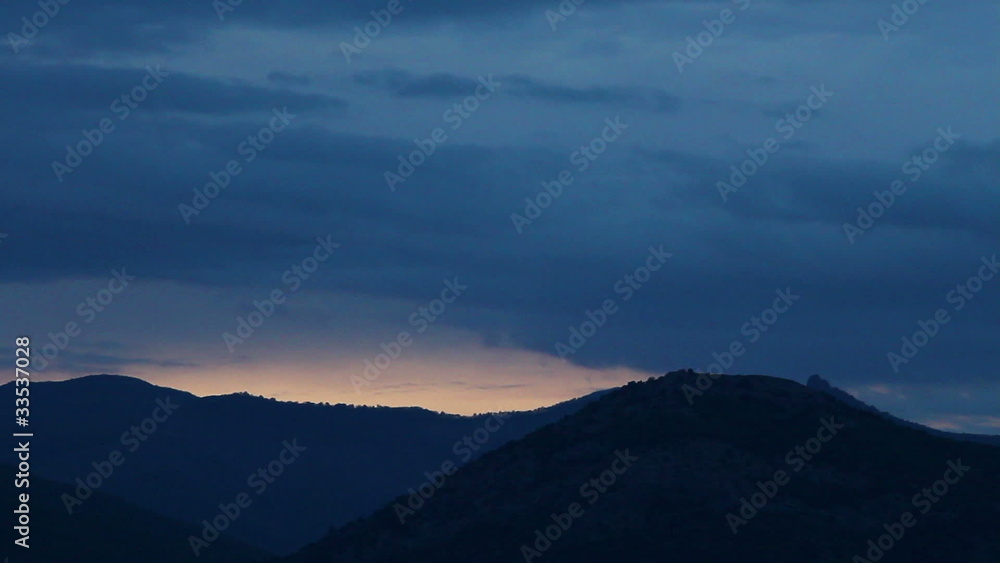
(488, 381)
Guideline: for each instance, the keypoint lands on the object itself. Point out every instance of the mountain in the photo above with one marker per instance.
(106, 529)
(818, 383)
(344, 461)
(753, 469)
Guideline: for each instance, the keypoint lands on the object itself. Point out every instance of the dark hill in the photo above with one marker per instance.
(356, 458)
(695, 464)
(106, 529)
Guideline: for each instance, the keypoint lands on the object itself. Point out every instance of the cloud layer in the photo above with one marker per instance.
(493, 158)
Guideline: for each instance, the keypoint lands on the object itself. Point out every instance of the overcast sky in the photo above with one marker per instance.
(645, 127)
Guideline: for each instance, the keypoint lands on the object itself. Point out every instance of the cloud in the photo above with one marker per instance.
(654, 100)
(403, 84)
(326, 173)
(280, 77)
(88, 363)
(95, 89)
(530, 288)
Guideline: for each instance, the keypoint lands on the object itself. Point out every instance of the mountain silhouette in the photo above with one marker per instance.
(751, 469)
(818, 383)
(204, 451)
(108, 529)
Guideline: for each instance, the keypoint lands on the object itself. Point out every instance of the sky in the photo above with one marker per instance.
(513, 203)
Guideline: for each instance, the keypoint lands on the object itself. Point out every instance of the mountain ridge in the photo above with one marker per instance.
(696, 461)
(205, 450)
(817, 382)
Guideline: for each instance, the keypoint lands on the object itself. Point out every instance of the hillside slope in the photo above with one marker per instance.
(818, 383)
(689, 468)
(107, 529)
(205, 451)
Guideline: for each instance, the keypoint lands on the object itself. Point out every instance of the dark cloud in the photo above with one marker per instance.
(403, 84)
(797, 189)
(401, 245)
(87, 363)
(149, 27)
(655, 100)
(289, 78)
(325, 175)
(96, 89)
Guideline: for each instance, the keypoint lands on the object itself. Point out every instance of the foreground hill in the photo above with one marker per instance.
(753, 469)
(106, 529)
(205, 451)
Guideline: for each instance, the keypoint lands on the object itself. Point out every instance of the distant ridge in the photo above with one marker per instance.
(818, 383)
(357, 457)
